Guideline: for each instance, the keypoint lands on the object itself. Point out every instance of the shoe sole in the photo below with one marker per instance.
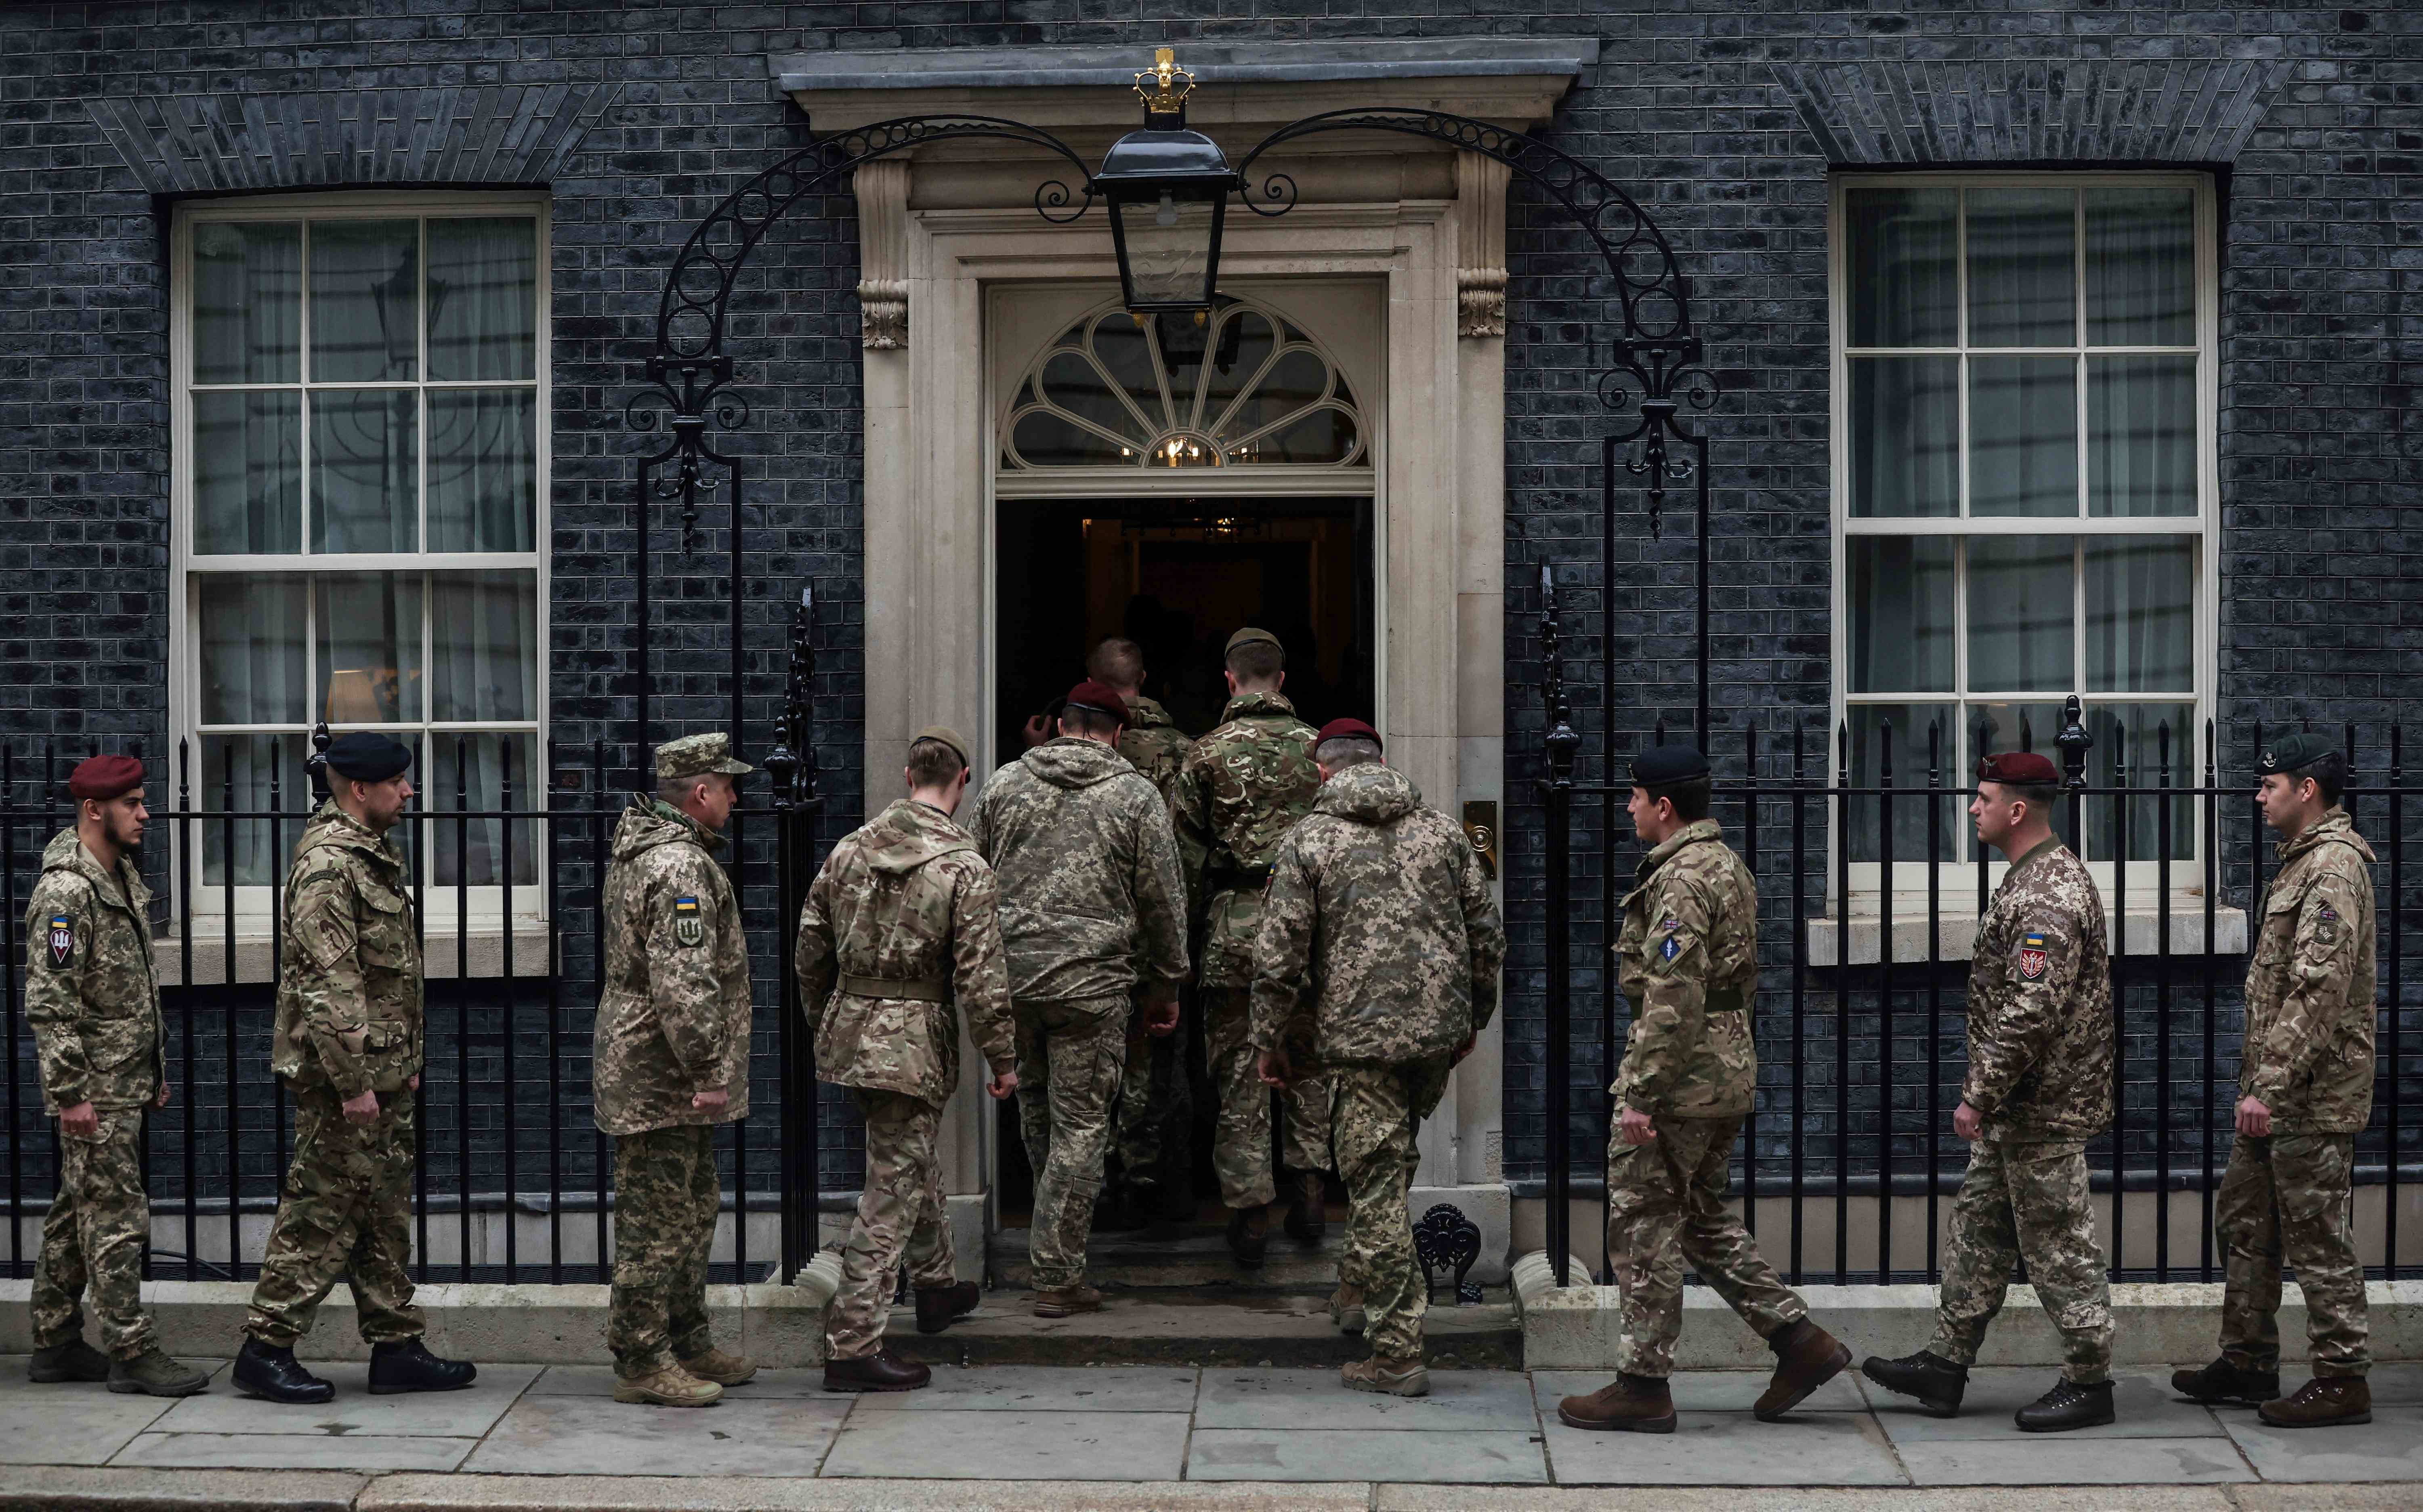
(138, 1388)
(1042, 1312)
(1664, 1424)
(1934, 1407)
(831, 1385)
(1840, 1362)
(2353, 1420)
(652, 1399)
(1419, 1386)
(2066, 1427)
(316, 1399)
(408, 1390)
(61, 1378)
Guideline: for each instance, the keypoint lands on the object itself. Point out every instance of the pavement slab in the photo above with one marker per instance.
(599, 1494)
(1045, 1389)
(1013, 1445)
(1729, 1449)
(1365, 1454)
(584, 1436)
(85, 1429)
(2142, 1407)
(2029, 1460)
(48, 1487)
(1702, 1391)
(1460, 1400)
(2390, 1449)
(464, 1414)
(294, 1451)
(1391, 1498)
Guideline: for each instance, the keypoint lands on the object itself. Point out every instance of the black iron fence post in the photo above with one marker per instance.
(793, 765)
(1563, 742)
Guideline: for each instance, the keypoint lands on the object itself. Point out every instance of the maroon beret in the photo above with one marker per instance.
(104, 776)
(1101, 697)
(2025, 768)
(1348, 729)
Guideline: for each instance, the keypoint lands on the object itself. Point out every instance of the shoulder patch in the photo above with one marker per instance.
(61, 941)
(2033, 956)
(1670, 949)
(688, 929)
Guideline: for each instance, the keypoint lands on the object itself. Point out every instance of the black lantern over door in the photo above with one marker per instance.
(1168, 190)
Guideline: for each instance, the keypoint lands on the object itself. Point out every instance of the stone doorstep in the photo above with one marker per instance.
(1579, 1327)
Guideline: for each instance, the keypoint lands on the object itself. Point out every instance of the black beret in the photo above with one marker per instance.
(364, 756)
(2291, 752)
(1661, 766)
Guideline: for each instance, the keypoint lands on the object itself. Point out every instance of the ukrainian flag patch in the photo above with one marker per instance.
(2033, 956)
(688, 929)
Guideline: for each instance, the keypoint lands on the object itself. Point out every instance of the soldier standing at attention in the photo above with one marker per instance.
(1243, 786)
(348, 1041)
(1377, 962)
(93, 1001)
(901, 921)
(2039, 1088)
(1093, 913)
(2304, 1085)
(672, 1063)
(1688, 962)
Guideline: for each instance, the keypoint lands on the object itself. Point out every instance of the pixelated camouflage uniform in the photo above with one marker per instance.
(1242, 788)
(671, 1022)
(2308, 1058)
(1156, 1105)
(1376, 959)
(1687, 960)
(1092, 910)
(349, 1021)
(901, 922)
(92, 999)
(2040, 1076)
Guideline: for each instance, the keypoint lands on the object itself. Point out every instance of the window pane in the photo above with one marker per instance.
(2023, 436)
(1045, 438)
(2022, 620)
(467, 774)
(269, 777)
(365, 457)
(2014, 726)
(1074, 384)
(2128, 743)
(365, 300)
(2141, 426)
(248, 473)
(2140, 596)
(483, 469)
(2022, 268)
(2140, 267)
(1923, 739)
(483, 641)
(1297, 379)
(1901, 614)
(1905, 438)
(483, 297)
(251, 644)
(1121, 345)
(1246, 341)
(369, 646)
(247, 302)
(1903, 286)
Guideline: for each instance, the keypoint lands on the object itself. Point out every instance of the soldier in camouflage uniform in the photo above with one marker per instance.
(672, 1063)
(2304, 1083)
(348, 1041)
(901, 922)
(1242, 788)
(93, 1001)
(1688, 962)
(2039, 1087)
(1376, 963)
(1092, 909)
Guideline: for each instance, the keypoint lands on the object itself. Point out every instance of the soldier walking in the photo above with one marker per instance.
(2039, 1088)
(1376, 963)
(348, 1042)
(1243, 786)
(672, 1063)
(1688, 964)
(1092, 914)
(2304, 1084)
(93, 999)
(901, 922)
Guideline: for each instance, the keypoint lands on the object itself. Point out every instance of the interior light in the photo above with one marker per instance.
(1166, 216)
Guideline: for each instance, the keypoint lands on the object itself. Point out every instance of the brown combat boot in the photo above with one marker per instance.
(1249, 1234)
(1628, 1404)
(670, 1387)
(1393, 1377)
(1068, 1302)
(938, 1305)
(1806, 1357)
(1346, 1308)
(722, 1369)
(1307, 1214)
(881, 1371)
(2324, 1402)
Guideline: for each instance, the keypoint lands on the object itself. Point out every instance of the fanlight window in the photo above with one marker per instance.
(1237, 386)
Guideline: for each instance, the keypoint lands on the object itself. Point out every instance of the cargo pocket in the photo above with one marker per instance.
(112, 1042)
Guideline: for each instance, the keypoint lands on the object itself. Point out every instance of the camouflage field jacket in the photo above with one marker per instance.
(1242, 787)
(673, 1019)
(1687, 961)
(349, 991)
(2040, 1003)
(91, 994)
(2309, 988)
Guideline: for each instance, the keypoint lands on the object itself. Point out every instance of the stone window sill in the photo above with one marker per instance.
(254, 957)
(1957, 932)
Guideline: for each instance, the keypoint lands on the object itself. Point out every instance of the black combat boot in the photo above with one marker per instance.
(406, 1365)
(2222, 1381)
(1937, 1382)
(2068, 1405)
(938, 1305)
(76, 1360)
(1249, 1236)
(1307, 1214)
(272, 1372)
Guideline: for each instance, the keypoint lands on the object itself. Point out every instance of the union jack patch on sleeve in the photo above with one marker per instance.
(2034, 956)
(62, 940)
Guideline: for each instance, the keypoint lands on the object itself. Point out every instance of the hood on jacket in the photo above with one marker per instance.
(1145, 715)
(1070, 762)
(1371, 794)
(648, 823)
(909, 834)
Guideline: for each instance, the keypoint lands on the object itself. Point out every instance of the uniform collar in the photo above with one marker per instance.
(2335, 824)
(126, 889)
(332, 825)
(710, 839)
(1257, 706)
(2044, 847)
(1145, 715)
(1692, 833)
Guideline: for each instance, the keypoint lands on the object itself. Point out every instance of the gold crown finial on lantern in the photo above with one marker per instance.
(1159, 86)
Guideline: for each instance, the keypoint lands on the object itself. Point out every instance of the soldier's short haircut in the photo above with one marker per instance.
(1347, 751)
(1088, 722)
(1118, 662)
(1257, 661)
(2329, 772)
(676, 791)
(932, 763)
(1690, 798)
(2039, 800)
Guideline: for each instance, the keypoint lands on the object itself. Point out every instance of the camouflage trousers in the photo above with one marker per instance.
(1155, 1108)
(666, 1199)
(1241, 1147)
(1069, 1055)
(345, 1211)
(1666, 1209)
(99, 1227)
(2285, 1201)
(2026, 1199)
(900, 1213)
(1376, 1115)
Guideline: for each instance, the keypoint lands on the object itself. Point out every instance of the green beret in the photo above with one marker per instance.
(949, 737)
(2292, 753)
(1247, 636)
(1661, 766)
(694, 756)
